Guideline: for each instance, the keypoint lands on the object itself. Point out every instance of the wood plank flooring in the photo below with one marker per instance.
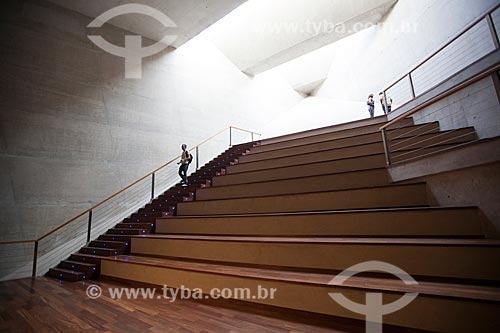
(46, 305)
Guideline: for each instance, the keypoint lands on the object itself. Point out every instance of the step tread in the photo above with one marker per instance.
(353, 146)
(72, 262)
(375, 169)
(67, 271)
(106, 241)
(332, 240)
(327, 212)
(345, 138)
(371, 283)
(380, 120)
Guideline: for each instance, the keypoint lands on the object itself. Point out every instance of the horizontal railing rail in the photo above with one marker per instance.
(476, 42)
(401, 94)
(168, 179)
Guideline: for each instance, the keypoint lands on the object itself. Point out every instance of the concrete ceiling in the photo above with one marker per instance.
(262, 34)
(190, 16)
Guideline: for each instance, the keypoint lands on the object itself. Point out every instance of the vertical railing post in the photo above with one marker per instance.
(89, 226)
(152, 186)
(386, 147)
(252, 136)
(197, 158)
(230, 136)
(412, 87)
(385, 103)
(35, 259)
(493, 31)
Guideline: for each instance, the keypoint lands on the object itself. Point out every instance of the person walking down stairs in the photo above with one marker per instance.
(186, 159)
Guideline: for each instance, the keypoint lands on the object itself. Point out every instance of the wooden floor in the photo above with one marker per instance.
(46, 305)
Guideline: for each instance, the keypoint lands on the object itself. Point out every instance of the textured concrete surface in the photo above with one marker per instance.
(476, 105)
(74, 131)
(477, 186)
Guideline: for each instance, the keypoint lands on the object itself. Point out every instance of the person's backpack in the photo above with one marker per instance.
(190, 158)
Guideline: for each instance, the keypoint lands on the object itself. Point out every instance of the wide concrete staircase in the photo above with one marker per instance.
(116, 241)
(296, 210)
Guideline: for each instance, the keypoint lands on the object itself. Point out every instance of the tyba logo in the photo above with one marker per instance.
(374, 309)
(133, 52)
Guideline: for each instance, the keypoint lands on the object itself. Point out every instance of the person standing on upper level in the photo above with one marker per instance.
(371, 105)
(381, 98)
(389, 104)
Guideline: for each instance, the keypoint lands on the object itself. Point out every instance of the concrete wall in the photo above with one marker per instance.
(477, 186)
(371, 60)
(476, 106)
(73, 130)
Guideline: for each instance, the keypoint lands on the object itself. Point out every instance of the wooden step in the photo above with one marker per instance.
(358, 127)
(100, 251)
(452, 258)
(126, 231)
(77, 266)
(414, 222)
(409, 149)
(408, 195)
(324, 156)
(119, 238)
(303, 170)
(320, 144)
(147, 226)
(108, 244)
(86, 258)
(440, 306)
(339, 181)
(66, 274)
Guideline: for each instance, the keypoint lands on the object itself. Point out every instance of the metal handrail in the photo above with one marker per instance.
(433, 100)
(487, 15)
(89, 210)
(481, 17)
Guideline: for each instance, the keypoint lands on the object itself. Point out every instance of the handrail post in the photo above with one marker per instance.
(386, 107)
(35, 259)
(197, 158)
(386, 147)
(152, 186)
(412, 87)
(252, 136)
(493, 31)
(89, 226)
(230, 136)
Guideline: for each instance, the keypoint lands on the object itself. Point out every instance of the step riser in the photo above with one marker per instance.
(384, 197)
(101, 252)
(397, 156)
(89, 271)
(85, 259)
(329, 167)
(65, 276)
(300, 185)
(362, 148)
(468, 262)
(425, 312)
(342, 130)
(323, 156)
(332, 144)
(126, 232)
(430, 223)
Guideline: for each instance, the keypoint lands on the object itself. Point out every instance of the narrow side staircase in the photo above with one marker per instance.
(85, 264)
